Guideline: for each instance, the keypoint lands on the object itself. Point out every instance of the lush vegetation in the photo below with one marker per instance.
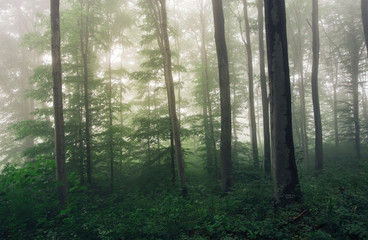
(156, 143)
(335, 206)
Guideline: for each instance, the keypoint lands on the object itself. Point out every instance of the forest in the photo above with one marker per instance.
(193, 119)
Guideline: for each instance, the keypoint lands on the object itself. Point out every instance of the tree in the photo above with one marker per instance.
(298, 33)
(58, 103)
(315, 95)
(159, 14)
(224, 80)
(286, 182)
(265, 101)
(252, 117)
(207, 103)
(84, 41)
(364, 8)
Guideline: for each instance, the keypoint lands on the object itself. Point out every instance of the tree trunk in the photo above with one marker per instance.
(336, 129)
(207, 99)
(303, 117)
(160, 16)
(224, 79)
(315, 95)
(58, 104)
(266, 121)
(84, 40)
(110, 130)
(364, 8)
(172, 157)
(286, 182)
(252, 117)
(354, 59)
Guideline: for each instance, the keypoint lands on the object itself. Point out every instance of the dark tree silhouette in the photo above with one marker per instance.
(286, 182)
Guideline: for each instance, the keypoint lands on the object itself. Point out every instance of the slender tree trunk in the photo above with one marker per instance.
(266, 121)
(252, 117)
(80, 135)
(315, 96)
(364, 8)
(235, 127)
(354, 58)
(121, 118)
(149, 122)
(258, 117)
(171, 96)
(336, 129)
(172, 157)
(111, 141)
(286, 182)
(224, 78)
(206, 97)
(158, 10)
(58, 104)
(84, 41)
(303, 117)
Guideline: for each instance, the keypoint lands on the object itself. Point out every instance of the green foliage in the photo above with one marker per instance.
(28, 200)
(145, 207)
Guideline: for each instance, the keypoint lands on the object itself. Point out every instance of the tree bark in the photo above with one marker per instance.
(286, 182)
(315, 95)
(252, 117)
(265, 109)
(224, 80)
(58, 104)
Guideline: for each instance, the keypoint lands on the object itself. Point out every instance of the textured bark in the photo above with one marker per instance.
(286, 182)
(315, 96)
(265, 102)
(224, 80)
(84, 40)
(58, 104)
(158, 11)
(252, 117)
(364, 8)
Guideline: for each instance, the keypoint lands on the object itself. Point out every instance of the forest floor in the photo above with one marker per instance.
(335, 206)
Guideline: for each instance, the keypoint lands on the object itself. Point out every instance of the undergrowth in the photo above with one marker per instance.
(335, 206)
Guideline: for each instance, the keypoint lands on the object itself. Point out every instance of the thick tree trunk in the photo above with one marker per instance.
(224, 78)
(364, 8)
(266, 121)
(58, 104)
(315, 96)
(84, 40)
(252, 117)
(286, 182)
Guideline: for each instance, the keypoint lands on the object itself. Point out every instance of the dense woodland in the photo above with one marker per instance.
(193, 119)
